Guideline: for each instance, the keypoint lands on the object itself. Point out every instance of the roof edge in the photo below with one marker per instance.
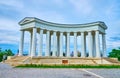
(34, 19)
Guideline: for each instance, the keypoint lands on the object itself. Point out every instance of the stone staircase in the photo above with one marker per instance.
(114, 61)
(17, 60)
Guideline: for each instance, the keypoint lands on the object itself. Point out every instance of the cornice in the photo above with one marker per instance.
(27, 20)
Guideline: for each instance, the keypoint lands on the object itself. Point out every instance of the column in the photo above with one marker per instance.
(21, 43)
(61, 44)
(75, 44)
(47, 43)
(94, 46)
(90, 44)
(65, 44)
(30, 43)
(83, 44)
(34, 42)
(97, 44)
(40, 49)
(103, 45)
(58, 45)
(54, 44)
(68, 44)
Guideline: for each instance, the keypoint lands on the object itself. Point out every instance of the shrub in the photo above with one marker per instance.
(118, 58)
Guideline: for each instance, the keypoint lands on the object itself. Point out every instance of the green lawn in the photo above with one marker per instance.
(67, 66)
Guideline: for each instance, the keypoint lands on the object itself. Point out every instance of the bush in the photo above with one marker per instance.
(6, 52)
(118, 58)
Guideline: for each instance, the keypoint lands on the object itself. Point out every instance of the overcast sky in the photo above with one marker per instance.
(58, 11)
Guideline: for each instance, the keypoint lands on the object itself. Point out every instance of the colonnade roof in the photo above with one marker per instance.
(27, 20)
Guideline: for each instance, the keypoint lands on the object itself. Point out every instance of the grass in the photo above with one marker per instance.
(66, 66)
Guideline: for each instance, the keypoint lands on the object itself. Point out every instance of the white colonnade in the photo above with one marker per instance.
(89, 35)
(93, 44)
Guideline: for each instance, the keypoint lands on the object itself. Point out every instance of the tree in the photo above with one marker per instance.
(1, 56)
(0, 49)
(7, 52)
(114, 53)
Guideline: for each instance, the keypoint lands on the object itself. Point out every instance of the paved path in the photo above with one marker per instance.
(7, 71)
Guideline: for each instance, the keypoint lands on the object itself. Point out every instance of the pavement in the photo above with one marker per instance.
(7, 71)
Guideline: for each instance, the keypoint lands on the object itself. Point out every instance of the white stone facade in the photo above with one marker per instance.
(92, 30)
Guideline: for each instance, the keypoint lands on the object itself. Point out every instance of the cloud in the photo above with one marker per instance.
(13, 12)
(58, 1)
(112, 11)
(114, 44)
(51, 16)
(82, 6)
(115, 38)
(12, 3)
(113, 41)
(58, 11)
(8, 24)
(9, 37)
(9, 31)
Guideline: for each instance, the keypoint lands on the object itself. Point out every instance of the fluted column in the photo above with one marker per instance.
(94, 46)
(83, 45)
(58, 45)
(47, 43)
(90, 45)
(65, 44)
(68, 44)
(61, 44)
(30, 44)
(103, 45)
(40, 49)
(97, 44)
(21, 44)
(54, 44)
(75, 44)
(34, 42)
